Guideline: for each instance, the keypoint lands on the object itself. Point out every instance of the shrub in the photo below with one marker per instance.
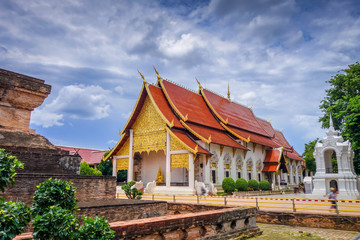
(241, 184)
(252, 183)
(96, 228)
(54, 193)
(14, 217)
(105, 167)
(228, 184)
(121, 176)
(264, 185)
(85, 169)
(55, 223)
(131, 193)
(8, 164)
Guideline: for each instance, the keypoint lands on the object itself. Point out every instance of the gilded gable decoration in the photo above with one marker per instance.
(122, 164)
(180, 161)
(149, 130)
(124, 150)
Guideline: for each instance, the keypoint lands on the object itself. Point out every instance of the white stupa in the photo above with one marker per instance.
(340, 175)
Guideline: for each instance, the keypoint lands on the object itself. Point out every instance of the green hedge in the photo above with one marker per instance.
(264, 185)
(241, 184)
(228, 184)
(252, 183)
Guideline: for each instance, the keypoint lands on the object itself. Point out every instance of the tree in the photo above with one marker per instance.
(241, 184)
(343, 102)
(253, 184)
(8, 164)
(131, 193)
(105, 167)
(309, 155)
(85, 169)
(121, 176)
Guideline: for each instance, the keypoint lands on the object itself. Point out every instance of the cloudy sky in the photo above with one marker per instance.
(275, 55)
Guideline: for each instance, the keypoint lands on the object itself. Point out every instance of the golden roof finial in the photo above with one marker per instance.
(157, 73)
(228, 94)
(251, 106)
(142, 76)
(269, 119)
(281, 129)
(198, 83)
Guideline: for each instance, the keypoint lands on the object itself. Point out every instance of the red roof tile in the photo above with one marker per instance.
(190, 104)
(164, 107)
(91, 156)
(266, 141)
(267, 126)
(189, 142)
(239, 116)
(272, 156)
(217, 136)
(270, 168)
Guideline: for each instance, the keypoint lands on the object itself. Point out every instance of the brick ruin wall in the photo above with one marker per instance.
(89, 188)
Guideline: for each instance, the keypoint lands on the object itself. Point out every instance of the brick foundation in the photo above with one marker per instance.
(89, 188)
(348, 223)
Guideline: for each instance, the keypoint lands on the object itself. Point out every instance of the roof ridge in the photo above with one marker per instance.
(177, 84)
(80, 148)
(226, 98)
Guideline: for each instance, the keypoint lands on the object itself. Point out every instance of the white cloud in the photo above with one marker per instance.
(76, 102)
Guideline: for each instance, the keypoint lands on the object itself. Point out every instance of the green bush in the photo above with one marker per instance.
(241, 184)
(14, 217)
(252, 183)
(264, 185)
(121, 176)
(55, 223)
(131, 193)
(105, 167)
(54, 193)
(8, 164)
(228, 184)
(85, 169)
(96, 228)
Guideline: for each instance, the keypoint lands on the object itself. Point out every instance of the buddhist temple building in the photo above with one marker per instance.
(187, 137)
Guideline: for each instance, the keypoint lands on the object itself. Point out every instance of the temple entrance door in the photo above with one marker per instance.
(333, 184)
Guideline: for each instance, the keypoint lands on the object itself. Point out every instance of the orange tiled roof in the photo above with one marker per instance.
(266, 141)
(267, 126)
(189, 104)
(272, 156)
(189, 142)
(91, 156)
(217, 136)
(164, 107)
(270, 168)
(237, 115)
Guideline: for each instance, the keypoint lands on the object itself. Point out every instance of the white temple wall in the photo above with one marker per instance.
(179, 175)
(152, 161)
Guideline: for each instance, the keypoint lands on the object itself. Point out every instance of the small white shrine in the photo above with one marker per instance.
(335, 167)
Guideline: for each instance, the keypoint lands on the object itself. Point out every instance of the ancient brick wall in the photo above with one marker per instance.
(89, 188)
(123, 209)
(348, 223)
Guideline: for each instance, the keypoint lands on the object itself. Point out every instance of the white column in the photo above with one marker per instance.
(168, 159)
(206, 170)
(114, 166)
(292, 175)
(297, 175)
(191, 172)
(221, 168)
(131, 158)
(273, 176)
(233, 172)
(279, 179)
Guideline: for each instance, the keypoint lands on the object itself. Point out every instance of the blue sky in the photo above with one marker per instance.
(275, 55)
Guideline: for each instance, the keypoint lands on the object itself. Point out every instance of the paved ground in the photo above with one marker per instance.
(283, 232)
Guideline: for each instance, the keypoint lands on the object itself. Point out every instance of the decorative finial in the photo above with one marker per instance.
(251, 106)
(331, 131)
(198, 83)
(269, 119)
(228, 93)
(157, 73)
(281, 129)
(142, 76)
(331, 123)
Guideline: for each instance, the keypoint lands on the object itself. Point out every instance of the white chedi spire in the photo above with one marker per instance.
(331, 131)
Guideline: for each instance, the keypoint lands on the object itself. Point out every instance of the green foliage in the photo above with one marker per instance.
(264, 185)
(228, 184)
(308, 155)
(96, 228)
(122, 175)
(8, 164)
(13, 218)
(131, 193)
(342, 100)
(85, 169)
(55, 223)
(252, 183)
(105, 167)
(54, 193)
(241, 184)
